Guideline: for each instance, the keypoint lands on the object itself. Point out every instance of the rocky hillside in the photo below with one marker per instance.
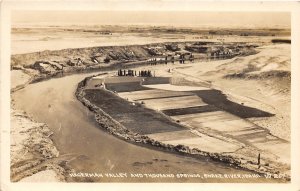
(49, 63)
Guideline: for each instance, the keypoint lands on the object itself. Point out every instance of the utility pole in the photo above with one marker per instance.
(258, 160)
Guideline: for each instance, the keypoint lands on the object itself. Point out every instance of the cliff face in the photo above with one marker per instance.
(68, 60)
(49, 63)
(87, 56)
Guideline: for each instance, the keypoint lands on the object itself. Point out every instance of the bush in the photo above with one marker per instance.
(106, 60)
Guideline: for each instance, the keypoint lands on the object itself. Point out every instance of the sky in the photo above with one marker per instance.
(168, 18)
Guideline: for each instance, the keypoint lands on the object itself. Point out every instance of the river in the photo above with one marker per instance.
(93, 150)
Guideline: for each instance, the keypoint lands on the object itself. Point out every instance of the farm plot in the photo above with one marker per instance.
(197, 117)
(135, 117)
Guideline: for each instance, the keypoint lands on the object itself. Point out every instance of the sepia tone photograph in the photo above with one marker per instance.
(150, 96)
(155, 93)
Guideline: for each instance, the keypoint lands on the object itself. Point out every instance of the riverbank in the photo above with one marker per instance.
(48, 64)
(240, 159)
(33, 152)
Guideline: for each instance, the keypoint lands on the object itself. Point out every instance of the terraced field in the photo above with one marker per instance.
(135, 117)
(197, 117)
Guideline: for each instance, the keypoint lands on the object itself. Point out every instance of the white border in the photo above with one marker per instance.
(160, 5)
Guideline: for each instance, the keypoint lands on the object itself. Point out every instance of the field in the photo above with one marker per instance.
(207, 119)
(131, 116)
(260, 81)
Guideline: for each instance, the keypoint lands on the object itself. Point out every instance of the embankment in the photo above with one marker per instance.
(32, 151)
